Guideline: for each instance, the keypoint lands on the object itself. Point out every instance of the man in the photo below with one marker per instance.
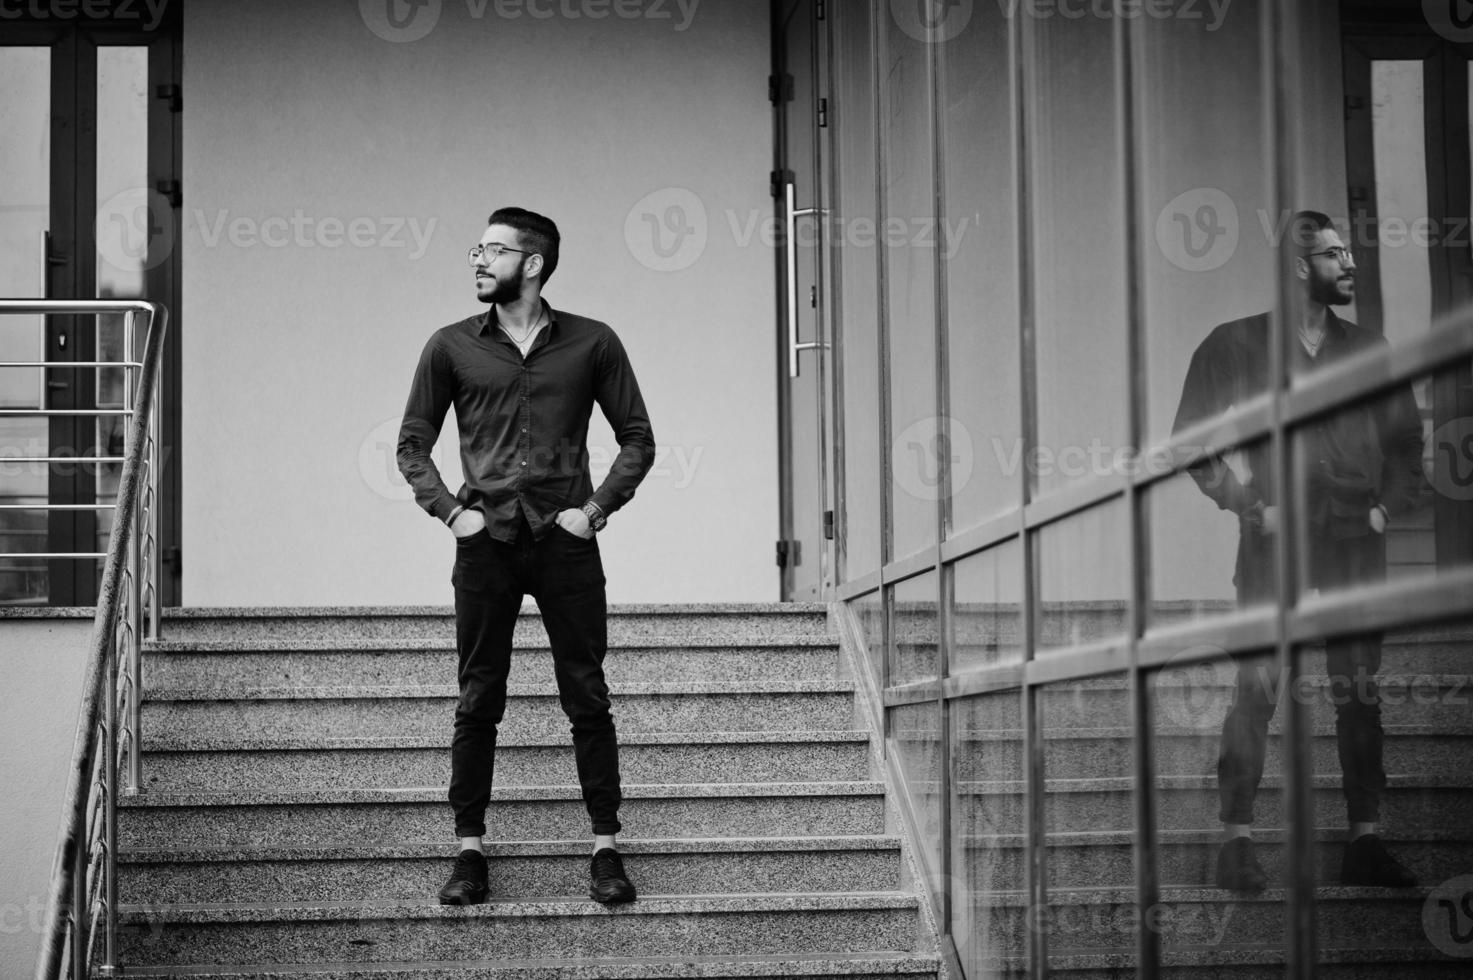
(523, 378)
(1362, 464)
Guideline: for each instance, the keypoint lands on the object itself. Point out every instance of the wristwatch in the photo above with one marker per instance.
(595, 514)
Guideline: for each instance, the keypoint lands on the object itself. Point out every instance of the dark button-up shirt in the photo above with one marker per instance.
(524, 421)
(1366, 454)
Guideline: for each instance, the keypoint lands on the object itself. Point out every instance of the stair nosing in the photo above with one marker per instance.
(436, 794)
(817, 641)
(843, 736)
(836, 685)
(559, 906)
(414, 850)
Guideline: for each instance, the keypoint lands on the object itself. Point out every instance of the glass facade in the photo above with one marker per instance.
(1182, 379)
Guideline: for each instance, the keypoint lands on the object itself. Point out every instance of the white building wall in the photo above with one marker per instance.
(333, 181)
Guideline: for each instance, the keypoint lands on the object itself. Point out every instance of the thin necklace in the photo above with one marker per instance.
(530, 330)
(1312, 346)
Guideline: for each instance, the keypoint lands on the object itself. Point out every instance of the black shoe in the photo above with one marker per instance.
(1367, 862)
(607, 882)
(1238, 869)
(467, 884)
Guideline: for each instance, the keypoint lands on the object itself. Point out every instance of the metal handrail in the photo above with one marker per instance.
(84, 887)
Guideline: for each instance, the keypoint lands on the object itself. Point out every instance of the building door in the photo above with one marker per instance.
(87, 137)
(1407, 155)
(805, 548)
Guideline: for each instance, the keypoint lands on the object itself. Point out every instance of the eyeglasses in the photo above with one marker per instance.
(494, 250)
(1339, 253)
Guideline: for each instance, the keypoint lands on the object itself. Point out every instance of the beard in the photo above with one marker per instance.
(1332, 292)
(504, 290)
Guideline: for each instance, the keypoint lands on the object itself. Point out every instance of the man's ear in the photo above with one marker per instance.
(1301, 267)
(534, 265)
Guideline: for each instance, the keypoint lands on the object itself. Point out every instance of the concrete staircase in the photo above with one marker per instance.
(293, 820)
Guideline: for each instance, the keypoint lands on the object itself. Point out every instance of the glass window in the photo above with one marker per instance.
(1206, 180)
(1079, 271)
(988, 852)
(978, 238)
(916, 732)
(1385, 485)
(1089, 821)
(987, 613)
(1082, 582)
(916, 656)
(851, 231)
(1218, 755)
(908, 144)
(869, 610)
(1210, 548)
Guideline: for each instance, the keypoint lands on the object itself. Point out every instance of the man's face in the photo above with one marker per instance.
(499, 278)
(1331, 276)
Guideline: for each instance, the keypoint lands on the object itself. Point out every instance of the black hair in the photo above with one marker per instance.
(538, 233)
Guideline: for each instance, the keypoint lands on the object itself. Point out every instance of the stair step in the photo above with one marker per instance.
(1413, 805)
(532, 709)
(1086, 920)
(629, 623)
(1090, 752)
(1186, 858)
(519, 870)
(1354, 963)
(696, 926)
(159, 820)
(644, 757)
(251, 662)
(816, 966)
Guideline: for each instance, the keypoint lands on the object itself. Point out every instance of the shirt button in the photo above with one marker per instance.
(524, 462)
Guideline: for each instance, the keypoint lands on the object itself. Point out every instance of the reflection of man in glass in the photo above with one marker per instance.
(1361, 464)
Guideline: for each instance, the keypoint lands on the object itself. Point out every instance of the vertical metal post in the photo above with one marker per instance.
(79, 908)
(108, 777)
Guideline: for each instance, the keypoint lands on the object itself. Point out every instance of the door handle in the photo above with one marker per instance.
(791, 259)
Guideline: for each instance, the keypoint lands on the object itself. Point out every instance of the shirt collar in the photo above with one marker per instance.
(489, 321)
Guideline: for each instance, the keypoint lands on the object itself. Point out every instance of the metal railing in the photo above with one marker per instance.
(83, 900)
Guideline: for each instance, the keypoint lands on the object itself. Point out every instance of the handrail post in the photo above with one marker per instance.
(108, 778)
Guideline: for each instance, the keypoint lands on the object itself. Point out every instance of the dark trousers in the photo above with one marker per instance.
(565, 575)
(1351, 666)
